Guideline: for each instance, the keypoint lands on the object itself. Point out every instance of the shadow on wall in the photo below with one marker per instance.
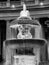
(44, 63)
(2, 36)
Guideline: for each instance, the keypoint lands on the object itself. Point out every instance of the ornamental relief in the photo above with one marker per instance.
(24, 32)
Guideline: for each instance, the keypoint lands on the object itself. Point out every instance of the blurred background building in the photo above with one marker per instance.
(10, 10)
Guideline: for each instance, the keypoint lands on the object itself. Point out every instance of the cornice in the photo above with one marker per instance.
(35, 11)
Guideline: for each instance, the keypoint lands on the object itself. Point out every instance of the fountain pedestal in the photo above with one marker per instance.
(14, 46)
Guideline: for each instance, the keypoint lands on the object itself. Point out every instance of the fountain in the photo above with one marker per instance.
(26, 40)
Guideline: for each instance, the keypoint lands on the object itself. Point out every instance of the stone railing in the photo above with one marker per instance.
(30, 2)
(8, 4)
(16, 3)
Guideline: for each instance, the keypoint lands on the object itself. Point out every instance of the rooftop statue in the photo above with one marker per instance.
(24, 12)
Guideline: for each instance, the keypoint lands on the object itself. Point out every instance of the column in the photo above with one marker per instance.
(0, 41)
(48, 48)
(47, 36)
(43, 53)
(8, 30)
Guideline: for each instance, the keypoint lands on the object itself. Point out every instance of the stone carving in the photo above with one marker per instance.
(24, 32)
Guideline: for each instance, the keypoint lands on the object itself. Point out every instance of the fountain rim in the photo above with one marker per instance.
(33, 39)
(17, 25)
